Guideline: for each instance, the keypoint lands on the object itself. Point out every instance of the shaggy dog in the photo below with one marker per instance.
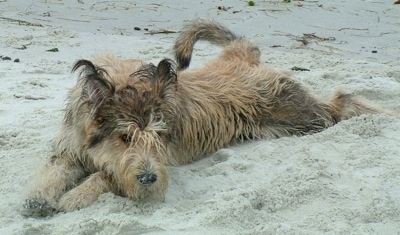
(125, 120)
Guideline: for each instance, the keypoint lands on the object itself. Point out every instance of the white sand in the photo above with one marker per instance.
(344, 180)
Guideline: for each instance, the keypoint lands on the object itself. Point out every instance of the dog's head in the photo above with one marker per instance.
(125, 127)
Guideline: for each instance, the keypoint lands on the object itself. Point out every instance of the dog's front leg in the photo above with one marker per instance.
(87, 192)
(58, 175)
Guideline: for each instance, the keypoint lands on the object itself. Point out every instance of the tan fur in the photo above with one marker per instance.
(126, 120)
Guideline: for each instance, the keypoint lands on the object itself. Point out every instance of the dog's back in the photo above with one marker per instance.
(235, 96)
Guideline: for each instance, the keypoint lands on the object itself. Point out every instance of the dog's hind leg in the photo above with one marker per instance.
(241, 50)
(58, 175)
(289, 109)
(343, 106)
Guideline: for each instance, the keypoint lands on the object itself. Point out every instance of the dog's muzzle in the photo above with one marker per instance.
(147, 178)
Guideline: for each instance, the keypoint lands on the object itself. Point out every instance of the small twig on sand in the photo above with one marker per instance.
(86, 21)
(22, 22)
(341, 29)
(312, 36)
(23, 47)
(162, 31)
(296, 68)
(274, 10)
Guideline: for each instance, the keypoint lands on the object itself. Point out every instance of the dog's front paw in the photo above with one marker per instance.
(75, 200)
(37, 208)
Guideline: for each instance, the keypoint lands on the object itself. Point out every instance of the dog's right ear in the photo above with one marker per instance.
(96, 88)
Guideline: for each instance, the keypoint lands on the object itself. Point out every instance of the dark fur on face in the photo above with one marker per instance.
(111, 108)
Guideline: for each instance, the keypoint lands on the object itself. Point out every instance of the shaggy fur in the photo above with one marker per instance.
(126, 120)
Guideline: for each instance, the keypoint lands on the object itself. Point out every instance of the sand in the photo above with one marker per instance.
(344, 180)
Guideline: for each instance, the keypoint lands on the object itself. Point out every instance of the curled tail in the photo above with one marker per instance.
(200, 30)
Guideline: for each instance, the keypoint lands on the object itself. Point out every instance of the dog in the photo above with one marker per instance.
(126, 120)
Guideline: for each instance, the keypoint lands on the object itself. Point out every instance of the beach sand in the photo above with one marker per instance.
(344, 180)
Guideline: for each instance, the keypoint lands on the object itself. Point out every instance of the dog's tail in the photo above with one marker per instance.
(200, 30)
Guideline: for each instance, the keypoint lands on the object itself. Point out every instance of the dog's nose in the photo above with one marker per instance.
(147, 178)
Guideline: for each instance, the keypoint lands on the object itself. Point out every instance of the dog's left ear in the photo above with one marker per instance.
(165, 78)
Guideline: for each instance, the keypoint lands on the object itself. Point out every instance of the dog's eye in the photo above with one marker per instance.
(126, 138)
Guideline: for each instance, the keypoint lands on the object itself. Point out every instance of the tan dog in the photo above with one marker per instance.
(126, 120)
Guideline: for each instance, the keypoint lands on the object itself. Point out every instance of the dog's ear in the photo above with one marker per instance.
(96, 88)
(165, 78)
